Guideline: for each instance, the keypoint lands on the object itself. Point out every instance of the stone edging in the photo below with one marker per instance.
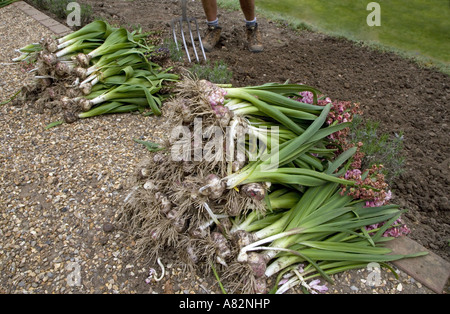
(431, 270)
(55, 26)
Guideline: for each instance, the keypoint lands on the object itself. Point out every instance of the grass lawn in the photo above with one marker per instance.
(416, 28)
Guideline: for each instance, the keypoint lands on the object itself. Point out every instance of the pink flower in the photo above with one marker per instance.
(283, 281)
(404, 229)
(151, 273)
(370, 204)
(307, 97)
(353, 174)
(393, 232)
(388, 196)
(398, 231)
(373, 226)
(315, 286)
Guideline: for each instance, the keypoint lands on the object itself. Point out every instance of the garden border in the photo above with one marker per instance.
(430, 270)
(55, 26)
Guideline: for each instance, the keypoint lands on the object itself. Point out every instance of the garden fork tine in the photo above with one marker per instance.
(187, 20)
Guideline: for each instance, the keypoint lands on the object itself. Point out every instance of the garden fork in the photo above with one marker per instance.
(184, 19)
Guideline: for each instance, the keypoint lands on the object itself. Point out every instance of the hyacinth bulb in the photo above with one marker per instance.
(28, 88)
(158, 158)
(50, 44)
(221, 110)
(80, 72)
(165, 204)
(172, 214)
(85, 104)
(45, 82)
(144, 173)
(154, 235)
(62, 69)
(260, 286)
(66, 101)
(59, 69)
(51, 93)
(239, 161)
(73, 93)
(52, 47)
(186, 113)
(70, 117)
(215, 186)
(242, 238)
(83, 59)
(214, 94)
(49, 58)
(86, 88)
(237, 165)
(254, 190)
(191, 254)
(223, 114)
(257, 263)
(149, 185)
(198, 233)
(241, 130)
(221, 244)
(42, 68)
(180, 224)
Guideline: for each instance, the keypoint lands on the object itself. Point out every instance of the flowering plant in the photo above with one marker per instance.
(370, 184)
(340, 112)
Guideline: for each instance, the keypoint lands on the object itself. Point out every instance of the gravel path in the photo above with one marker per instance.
(17, 30)
(60, 191)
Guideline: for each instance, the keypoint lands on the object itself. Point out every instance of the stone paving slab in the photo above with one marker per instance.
(55, 26)
(431, 270)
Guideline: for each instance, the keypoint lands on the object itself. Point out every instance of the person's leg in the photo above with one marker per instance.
(213, 32)
(248, 8)
(253, 33)
(210, 8)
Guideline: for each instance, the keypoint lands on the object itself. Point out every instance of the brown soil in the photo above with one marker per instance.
(399, 93)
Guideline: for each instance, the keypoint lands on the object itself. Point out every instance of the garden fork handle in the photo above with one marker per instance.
(184, 10)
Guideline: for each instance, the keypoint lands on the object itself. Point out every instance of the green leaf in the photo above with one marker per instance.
(268, 204)
(129, 72)
(346, 247)
(152, 102)
(5, 3)
(53, 124)
(217, 278)
(11, 98)
(151, 147)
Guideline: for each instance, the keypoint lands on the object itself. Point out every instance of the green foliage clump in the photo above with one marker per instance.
(379, 148)
(217, 72)
(59, 8)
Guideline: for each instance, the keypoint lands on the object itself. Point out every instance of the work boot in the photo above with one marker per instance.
(254, 38)
(211, 38)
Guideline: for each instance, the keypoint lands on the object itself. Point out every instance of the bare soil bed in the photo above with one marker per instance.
(398, 93)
